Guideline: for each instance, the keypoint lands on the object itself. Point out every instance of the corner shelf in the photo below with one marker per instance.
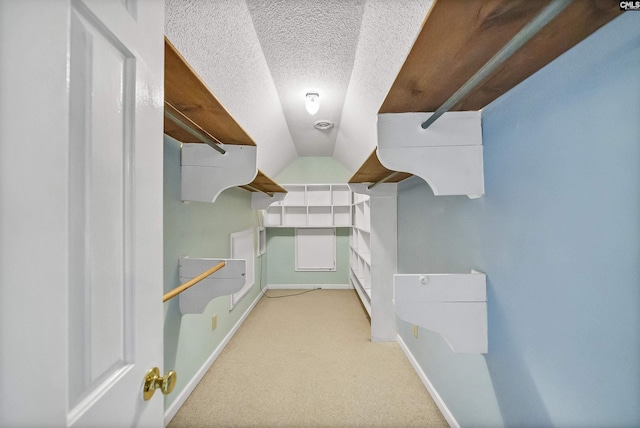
(454, 305)
(311, 205)
(226, 281)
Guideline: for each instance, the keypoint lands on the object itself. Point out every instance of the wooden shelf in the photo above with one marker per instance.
(458, 38)
(187, 97)
(264, 184)
(372, 171)
(184, 90)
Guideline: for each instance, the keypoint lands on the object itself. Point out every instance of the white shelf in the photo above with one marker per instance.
(295, 216)
(341, 195)
(361, 215)
(373, 255)
(319, 195)
(364, 294)
(320, 216)
(342, 216)
(295, 196)
(273, 216)
(312, 205)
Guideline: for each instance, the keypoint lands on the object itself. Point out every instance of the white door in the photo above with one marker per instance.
(81, 318)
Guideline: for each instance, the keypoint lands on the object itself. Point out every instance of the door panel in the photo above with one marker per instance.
(101, 118)
(81, 181)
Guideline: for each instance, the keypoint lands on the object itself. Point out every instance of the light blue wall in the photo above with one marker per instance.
(198, 229)
(281, 241)
(558, 234)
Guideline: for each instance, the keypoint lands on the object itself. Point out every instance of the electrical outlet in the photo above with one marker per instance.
(214, 322)
(415, 330)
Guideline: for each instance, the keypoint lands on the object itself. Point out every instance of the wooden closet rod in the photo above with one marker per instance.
(179, 289)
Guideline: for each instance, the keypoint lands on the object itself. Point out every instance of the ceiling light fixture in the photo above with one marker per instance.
(312, 103)
(323, 125)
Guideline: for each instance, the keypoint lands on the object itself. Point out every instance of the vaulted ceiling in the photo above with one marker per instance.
(260, 58)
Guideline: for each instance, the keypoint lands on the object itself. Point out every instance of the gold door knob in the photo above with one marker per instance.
(153, 381)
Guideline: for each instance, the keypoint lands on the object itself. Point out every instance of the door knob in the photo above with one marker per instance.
(153, 381)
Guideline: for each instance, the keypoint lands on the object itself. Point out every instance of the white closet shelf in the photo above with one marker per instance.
(226, 281)
(373, 255)
(363, 293)
(454, 305)
(311, 205)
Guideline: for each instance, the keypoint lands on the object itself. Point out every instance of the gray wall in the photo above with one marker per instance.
(558, 235)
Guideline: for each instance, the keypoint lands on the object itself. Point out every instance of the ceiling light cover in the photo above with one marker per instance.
(323, 124)
(312, 103)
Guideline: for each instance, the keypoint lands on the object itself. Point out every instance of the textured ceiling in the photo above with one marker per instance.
(261, 57)
(309, 45)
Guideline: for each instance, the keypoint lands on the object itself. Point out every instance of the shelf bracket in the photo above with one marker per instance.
(226, 281)
(206, 173)
(447, 155)
(454, 305)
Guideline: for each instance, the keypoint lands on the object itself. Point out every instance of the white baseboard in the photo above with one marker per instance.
(308, 286)
(173, 408)
(427, 383)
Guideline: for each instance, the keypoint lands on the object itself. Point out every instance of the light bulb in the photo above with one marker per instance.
(312, 103)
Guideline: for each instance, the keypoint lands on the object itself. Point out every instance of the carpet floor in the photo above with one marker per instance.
(308, 361)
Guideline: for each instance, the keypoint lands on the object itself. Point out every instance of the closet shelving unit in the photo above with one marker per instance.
(457, 39)
(460, 37)
(202, 119)
(187, 97)
(311, 205)
(360, 250)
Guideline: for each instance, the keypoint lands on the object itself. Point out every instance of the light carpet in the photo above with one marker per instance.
(308, 361)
